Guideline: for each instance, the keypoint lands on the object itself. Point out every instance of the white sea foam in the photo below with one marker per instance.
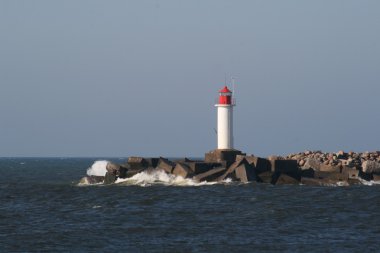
(370, 183)
(148, 178)
(99, 168)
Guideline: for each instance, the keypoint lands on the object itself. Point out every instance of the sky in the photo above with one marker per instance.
(121, 78)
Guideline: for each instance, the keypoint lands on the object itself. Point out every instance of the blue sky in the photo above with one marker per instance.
(121, 78)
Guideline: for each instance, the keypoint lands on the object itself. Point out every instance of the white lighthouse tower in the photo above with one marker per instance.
(225, 119)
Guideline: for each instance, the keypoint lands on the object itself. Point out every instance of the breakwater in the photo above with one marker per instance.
(307, 168)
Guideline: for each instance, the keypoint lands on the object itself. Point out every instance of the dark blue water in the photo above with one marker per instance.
(43, 209)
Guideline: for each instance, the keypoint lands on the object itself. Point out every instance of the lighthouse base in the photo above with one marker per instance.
(224, 156)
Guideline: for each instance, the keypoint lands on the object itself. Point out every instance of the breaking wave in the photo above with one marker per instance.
(154, 177)
(99, 168)
(369, 183)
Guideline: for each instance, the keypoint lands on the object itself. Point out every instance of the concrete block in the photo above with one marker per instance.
(366, 176)
(284, 179)
(245, 173)
(116, 169)
(166, 165)
(308, 173)
(260, 164)
(330, 168)
(323, 182)
(152, 161)
(352, 173)
(240, 170)
(185, 160)
(211, 175)
(265, 177)
(182, 170)
(334, 176)
(284, 166)
(109, 178)
(202, 167)
(137, 163)
(222, 155)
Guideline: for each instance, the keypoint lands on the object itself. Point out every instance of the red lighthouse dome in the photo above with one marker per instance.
(225, 96)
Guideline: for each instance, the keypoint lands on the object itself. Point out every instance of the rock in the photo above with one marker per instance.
(110, 178)
(166, 165)
(284, 179)
(341, 155)
(210, 175)
(182, 170)
(301, 163)
(371, 167)
(312, 163)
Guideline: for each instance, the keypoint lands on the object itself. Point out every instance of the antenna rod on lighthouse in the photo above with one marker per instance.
(233, 86)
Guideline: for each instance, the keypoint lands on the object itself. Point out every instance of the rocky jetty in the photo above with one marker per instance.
(307, 168)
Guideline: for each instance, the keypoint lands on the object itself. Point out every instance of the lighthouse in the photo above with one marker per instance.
(225, 119)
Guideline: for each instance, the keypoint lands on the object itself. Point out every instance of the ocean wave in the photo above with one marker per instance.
(99, 168)
(369, 183)
(160, 177)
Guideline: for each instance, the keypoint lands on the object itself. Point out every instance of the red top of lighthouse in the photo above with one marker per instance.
(225, 96)
(225, 90)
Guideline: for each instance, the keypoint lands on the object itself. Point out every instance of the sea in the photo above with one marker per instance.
(45, 208)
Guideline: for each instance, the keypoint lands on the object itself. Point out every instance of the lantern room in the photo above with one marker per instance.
(225, 96)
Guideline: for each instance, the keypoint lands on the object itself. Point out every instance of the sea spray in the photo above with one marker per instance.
(99, 168)
(148, 178)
